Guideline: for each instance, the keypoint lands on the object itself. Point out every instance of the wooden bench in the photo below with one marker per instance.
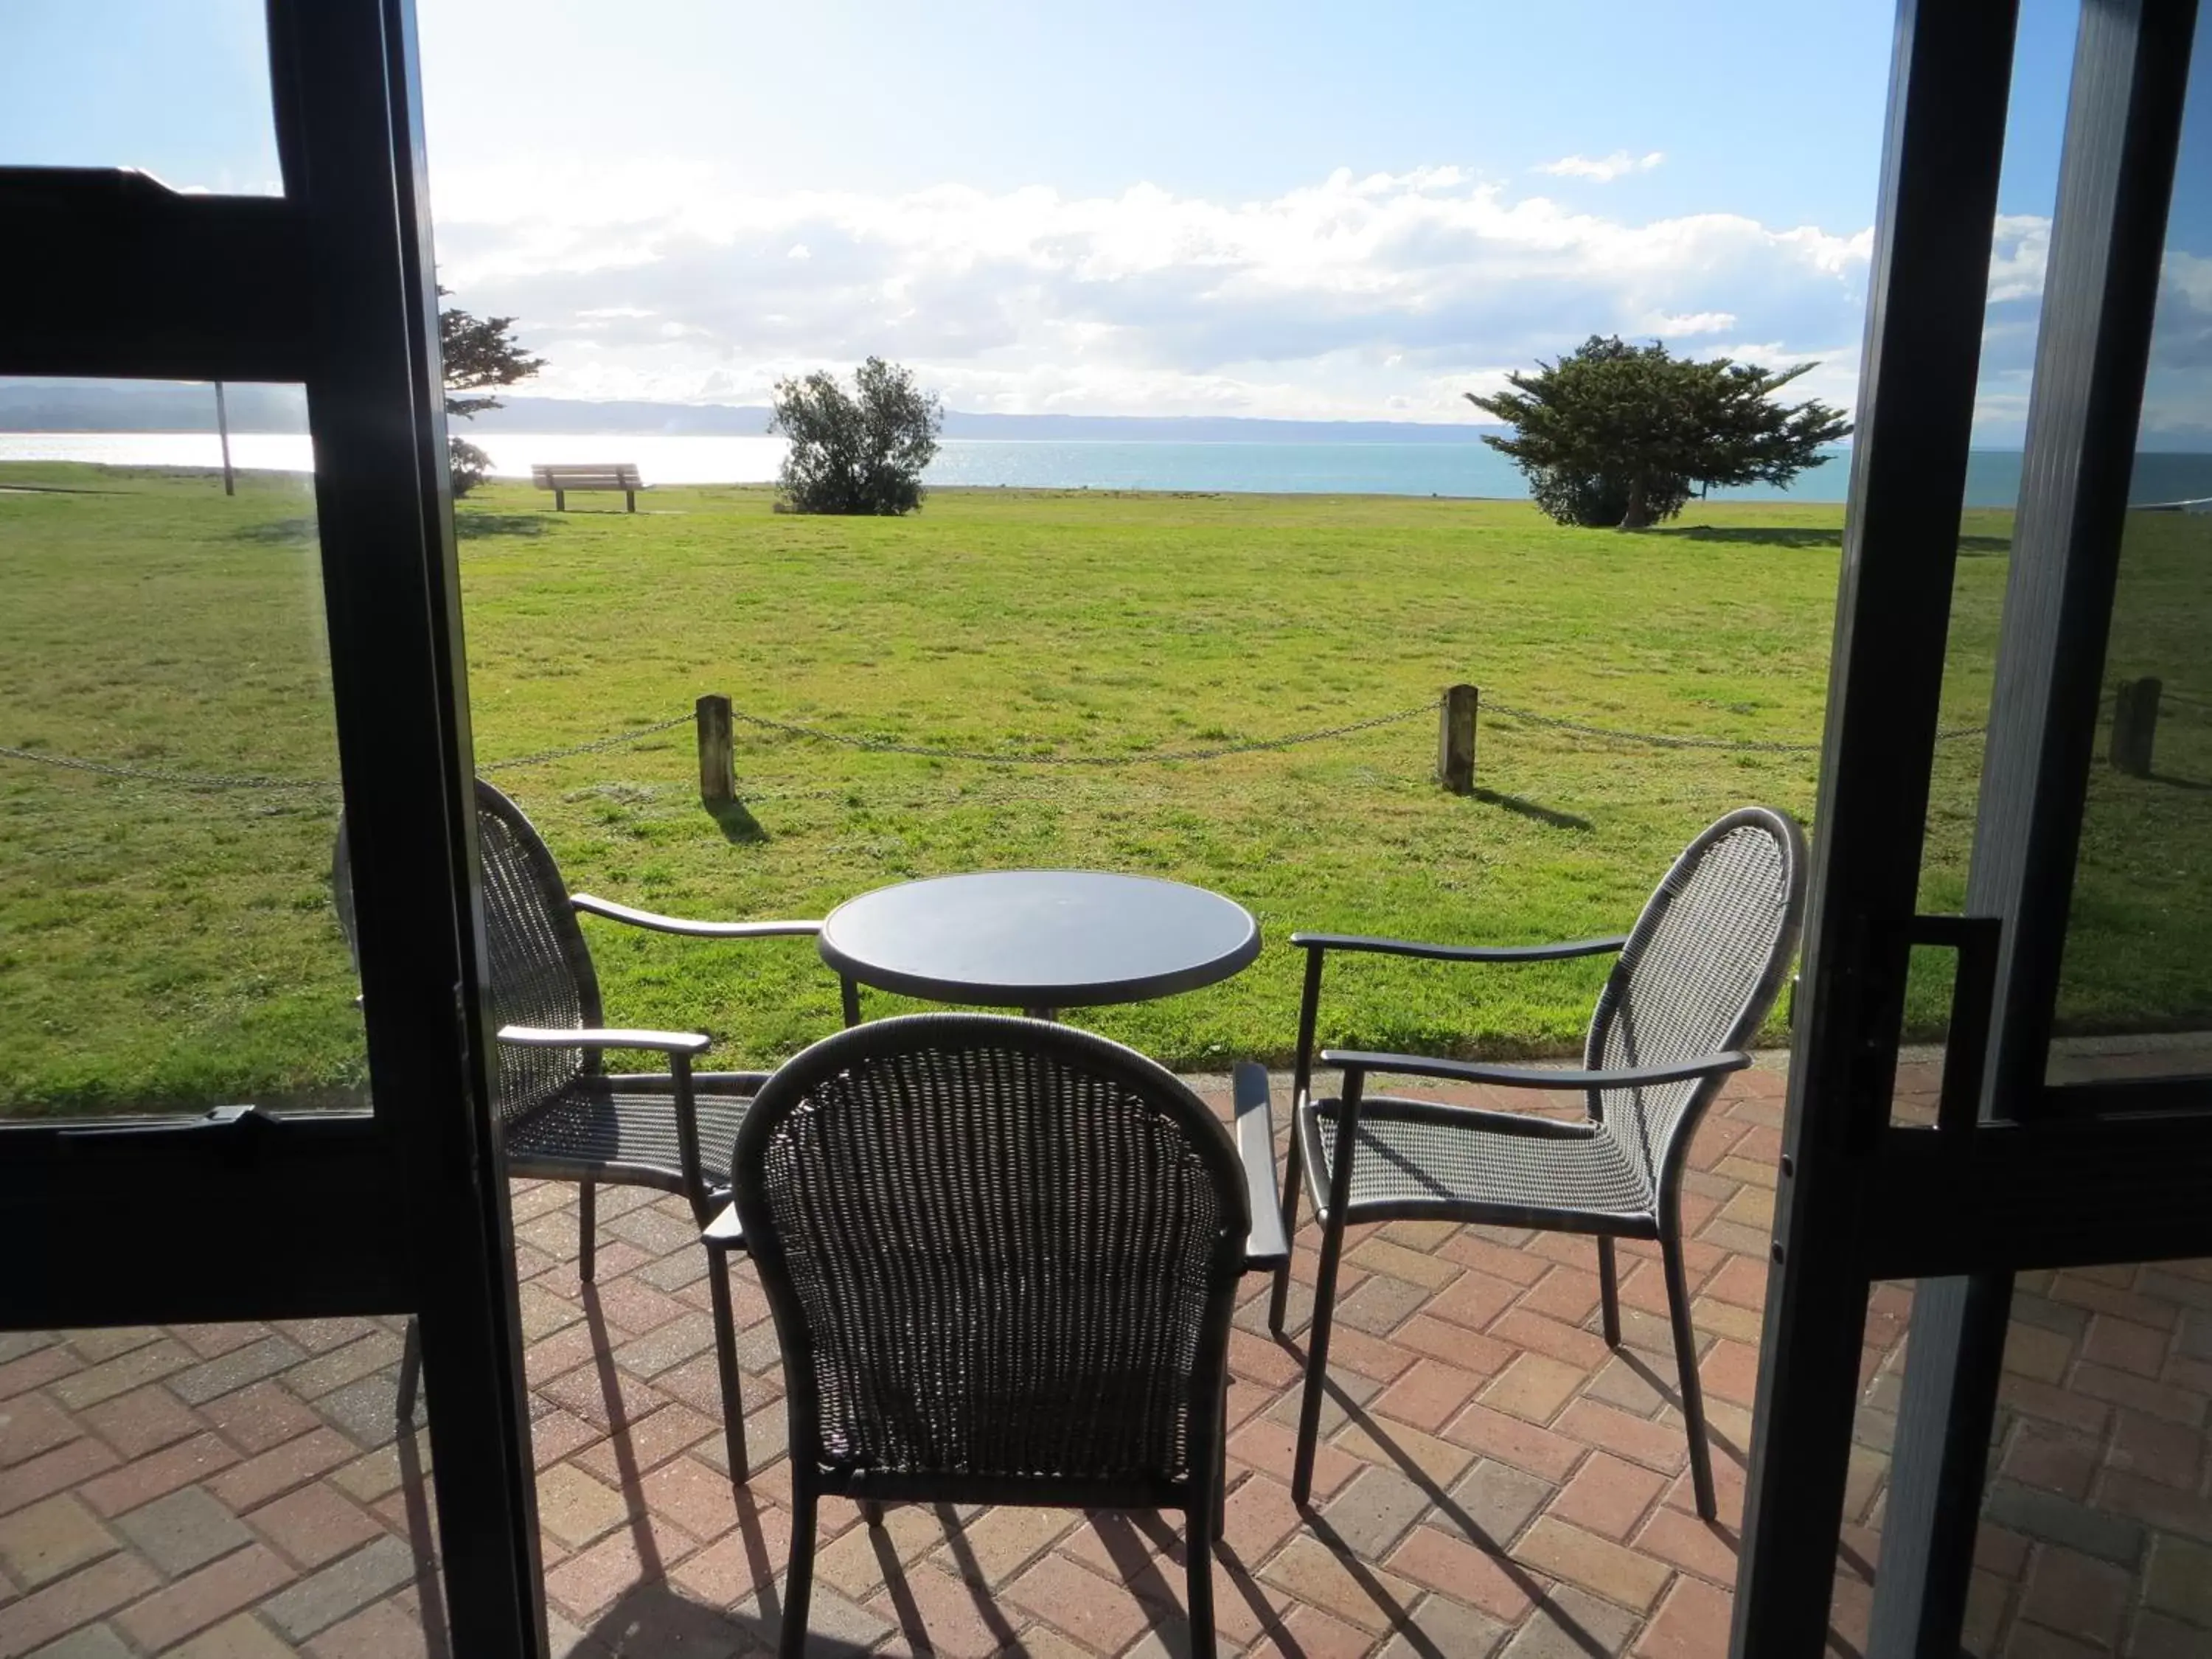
(561, 479)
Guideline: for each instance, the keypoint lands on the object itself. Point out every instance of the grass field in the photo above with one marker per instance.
(166, 945)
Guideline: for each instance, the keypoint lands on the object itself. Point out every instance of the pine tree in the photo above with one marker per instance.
(1618, 434)
(477, 352)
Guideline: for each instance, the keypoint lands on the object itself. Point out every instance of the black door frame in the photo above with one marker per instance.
(403, 1210)
(2016, 1173)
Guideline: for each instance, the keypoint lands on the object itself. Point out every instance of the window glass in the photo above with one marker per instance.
(177, 87)
(235, 1488)
(168, 763)
(2135, 995)
(2094, 1518)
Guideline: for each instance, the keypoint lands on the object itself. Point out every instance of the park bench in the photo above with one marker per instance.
(561, 479)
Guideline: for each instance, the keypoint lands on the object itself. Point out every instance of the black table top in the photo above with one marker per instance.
(1039, 938)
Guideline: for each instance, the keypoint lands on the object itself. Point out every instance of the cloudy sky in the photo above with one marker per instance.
(1147, 207)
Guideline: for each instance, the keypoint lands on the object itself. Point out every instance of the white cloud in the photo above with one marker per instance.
(1695, 322)
(1383, 295)
(1604, 169)
(2020, 250)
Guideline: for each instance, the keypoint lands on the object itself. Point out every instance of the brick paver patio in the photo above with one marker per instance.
(1495, 1479)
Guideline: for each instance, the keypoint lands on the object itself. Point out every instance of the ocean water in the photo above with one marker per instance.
(1441, 469)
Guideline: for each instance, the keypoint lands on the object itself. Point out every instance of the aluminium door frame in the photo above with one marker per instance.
(403, 1209)
(2014, 1174)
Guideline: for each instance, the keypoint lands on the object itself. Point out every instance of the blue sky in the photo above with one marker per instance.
(1285, 208)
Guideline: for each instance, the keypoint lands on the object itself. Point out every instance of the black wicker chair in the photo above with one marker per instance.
(1694, 980)
(1002, 1256)
(561, 1118)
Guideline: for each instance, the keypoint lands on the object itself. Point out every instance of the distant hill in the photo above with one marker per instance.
(146, 406)
(172, 406)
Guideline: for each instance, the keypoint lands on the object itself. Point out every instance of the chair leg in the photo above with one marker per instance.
(410, 1370)
(587, 1230)
(1221, 1464)
(1332, 1250)
(872, 1511)
(1198, 1536)
(726, 1357)
(1685, 1362)
(1293, 1174)
(799, 1581)
(1608, 1285)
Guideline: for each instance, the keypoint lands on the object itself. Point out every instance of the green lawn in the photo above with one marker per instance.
(162, 944)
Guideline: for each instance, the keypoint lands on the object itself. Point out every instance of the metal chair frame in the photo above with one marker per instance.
(565, 952)
(1326, 1165)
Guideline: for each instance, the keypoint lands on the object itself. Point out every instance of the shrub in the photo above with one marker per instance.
(861, 452)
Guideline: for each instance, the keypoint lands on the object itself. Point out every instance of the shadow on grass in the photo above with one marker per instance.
(474, 526)
(277, 532)
(1529, 809)
(1752, 535)
(1797, 536)
(738, 825)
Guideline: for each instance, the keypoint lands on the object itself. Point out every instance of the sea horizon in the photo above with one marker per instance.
(1358, 467)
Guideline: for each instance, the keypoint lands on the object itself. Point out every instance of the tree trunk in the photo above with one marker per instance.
(1638, 515)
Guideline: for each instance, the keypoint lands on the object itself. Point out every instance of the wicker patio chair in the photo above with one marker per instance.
(1694, 979)
(1002, 1256)
(561, 1117)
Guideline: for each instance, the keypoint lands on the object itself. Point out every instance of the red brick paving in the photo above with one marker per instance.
(1495, 1480)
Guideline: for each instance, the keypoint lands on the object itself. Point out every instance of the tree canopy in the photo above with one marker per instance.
(477, 352)
(1614, 433)
(861, 452)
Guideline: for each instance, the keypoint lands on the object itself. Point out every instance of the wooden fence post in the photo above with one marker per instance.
(1455, 739)
(718, 774)
(2135, 725)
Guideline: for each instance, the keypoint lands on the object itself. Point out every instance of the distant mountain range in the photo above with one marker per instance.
(172, 406)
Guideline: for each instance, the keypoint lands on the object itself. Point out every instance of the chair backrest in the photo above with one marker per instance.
(1698, 976)
(540, 970)
(1000, 1253)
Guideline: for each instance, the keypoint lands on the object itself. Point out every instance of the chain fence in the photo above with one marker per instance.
(211, 780)
(1150, 756)
(225, 781)
(543, 755)
(1662, 740)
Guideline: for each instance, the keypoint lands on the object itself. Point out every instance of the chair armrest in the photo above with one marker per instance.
(1402, 947)
(723, 1232)
(609, 909)
(1389, 1108)
(1534, 1077)
(591, 1037)
(1265, 1246)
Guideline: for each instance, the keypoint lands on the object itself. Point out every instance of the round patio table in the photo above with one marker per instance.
(1039, 940)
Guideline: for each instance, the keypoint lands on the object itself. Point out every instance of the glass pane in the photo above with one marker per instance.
(180, 90)
(168, 774)
(2028, 194)
(2136, 972)
(1873, 1444)
(2096, 1533)
(244, 1488)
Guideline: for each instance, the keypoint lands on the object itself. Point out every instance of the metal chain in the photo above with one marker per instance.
(1661, 740)
(875, 746)
(196, 780)
(220, 780)
(617, 742)
(879, 746)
